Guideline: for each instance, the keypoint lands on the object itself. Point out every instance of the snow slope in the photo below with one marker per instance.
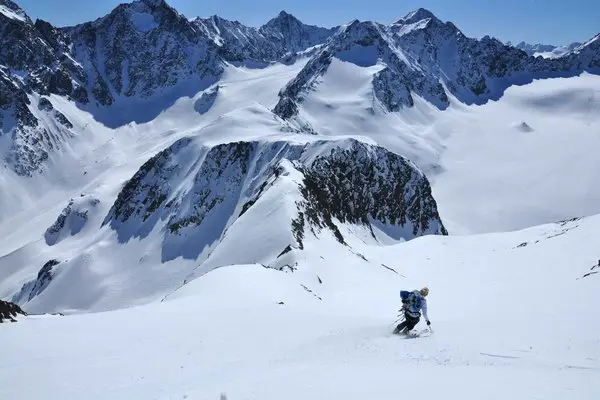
(487, 173)
(512, 314)
(523, 160)
(248, 252)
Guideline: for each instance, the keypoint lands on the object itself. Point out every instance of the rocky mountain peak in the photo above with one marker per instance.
(416, 16)
(146, 48)
(154, 3)
(283, 19)
(432, 59)
(144, 15)
(289, 32)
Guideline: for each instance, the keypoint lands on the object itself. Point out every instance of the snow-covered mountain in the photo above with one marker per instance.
(146, 126)
(141, 50)
(129, 65)
(256, 197)
(545, 50)
(34, 61)
(419, 55)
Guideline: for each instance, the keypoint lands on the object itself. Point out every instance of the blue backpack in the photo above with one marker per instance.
(413, 300)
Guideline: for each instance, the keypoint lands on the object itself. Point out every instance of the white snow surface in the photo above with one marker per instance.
(488, 172)
(12, 14)
(512, 317)
(514, 313)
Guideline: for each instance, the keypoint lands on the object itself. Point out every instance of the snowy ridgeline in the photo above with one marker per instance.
(247, 202)
(420, 56)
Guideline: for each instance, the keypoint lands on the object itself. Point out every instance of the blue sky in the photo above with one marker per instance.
(546, 21)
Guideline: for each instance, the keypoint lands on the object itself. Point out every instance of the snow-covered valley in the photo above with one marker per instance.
(240, 219)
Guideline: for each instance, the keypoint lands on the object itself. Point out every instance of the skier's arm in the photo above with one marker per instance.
(424, 308)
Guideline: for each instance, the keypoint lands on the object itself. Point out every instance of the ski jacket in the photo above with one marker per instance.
(414, 303)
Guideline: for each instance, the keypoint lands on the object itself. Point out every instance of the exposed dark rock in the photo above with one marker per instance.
(279, 39)
(71, 220)
(45, 104)
(115, 57)
(35, 287)
(285, 251)
(60, 83)
(418, 61)
(80, 95)
(9, 311)
(60, 117)
(352, 183)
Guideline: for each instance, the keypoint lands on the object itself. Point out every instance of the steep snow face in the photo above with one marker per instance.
(36, 131)
(143, 58)
(488, 164)
(97, 272)
(416, 16)
(351, 96)
(587, 54)
(364, 44)
(325, 326)
(127, 67)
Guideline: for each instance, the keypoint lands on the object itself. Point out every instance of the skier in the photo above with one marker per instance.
(412, 304)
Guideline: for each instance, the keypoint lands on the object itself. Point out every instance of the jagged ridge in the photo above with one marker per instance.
(341, 182)
(146, 49)
(422, 55)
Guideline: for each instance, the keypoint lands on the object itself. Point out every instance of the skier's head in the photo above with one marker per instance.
(424, 292)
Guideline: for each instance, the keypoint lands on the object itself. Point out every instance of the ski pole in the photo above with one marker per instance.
(400, 319)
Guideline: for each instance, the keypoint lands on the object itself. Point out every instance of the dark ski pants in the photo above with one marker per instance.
(408, 323)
